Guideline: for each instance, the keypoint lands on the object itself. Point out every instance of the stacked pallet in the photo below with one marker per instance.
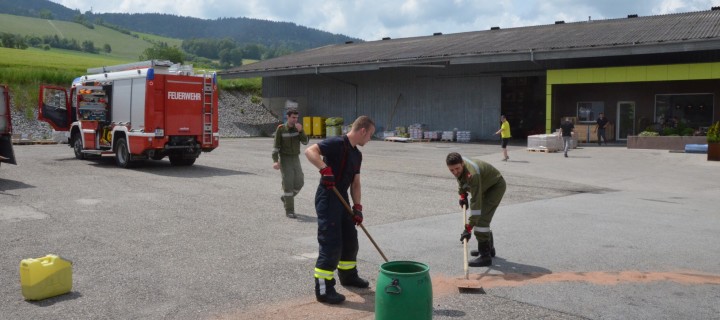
(545, 142)
(416, 130)
(464, 136)
(432, 135)
(448, 136)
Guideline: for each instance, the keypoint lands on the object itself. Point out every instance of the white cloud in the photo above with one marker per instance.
(374, 19)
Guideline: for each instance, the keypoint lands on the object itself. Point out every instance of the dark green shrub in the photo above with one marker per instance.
(670, 132)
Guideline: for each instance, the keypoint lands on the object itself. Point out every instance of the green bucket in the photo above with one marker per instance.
(404, 291)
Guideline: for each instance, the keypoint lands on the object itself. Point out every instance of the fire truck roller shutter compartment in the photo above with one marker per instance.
(183, 105)
(129, 102)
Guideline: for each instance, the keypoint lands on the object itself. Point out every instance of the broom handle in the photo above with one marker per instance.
(360, 224)
(465, 258)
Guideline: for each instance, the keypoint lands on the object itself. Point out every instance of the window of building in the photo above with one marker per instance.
(587, 111)
(691, 110)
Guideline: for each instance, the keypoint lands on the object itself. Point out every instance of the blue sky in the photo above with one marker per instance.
(375, 19)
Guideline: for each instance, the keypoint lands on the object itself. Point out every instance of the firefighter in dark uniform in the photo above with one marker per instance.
(486, 187)
(285, 155)
(339, 159)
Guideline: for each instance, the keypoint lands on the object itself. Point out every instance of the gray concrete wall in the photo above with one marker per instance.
(398, 98)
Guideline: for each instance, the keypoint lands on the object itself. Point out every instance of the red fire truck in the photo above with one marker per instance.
(6, 149)
(136, 111)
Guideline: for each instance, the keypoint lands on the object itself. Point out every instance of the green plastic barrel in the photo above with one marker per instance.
(404, 291)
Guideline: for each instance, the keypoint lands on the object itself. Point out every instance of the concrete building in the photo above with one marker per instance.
(640, 71)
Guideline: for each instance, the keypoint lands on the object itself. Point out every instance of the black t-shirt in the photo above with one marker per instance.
(602, 122)
(567, 128)
(343, 158)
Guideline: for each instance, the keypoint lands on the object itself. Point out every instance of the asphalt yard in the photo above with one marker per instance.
(607, 233)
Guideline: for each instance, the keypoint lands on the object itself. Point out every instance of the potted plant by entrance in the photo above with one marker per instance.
(713, 140)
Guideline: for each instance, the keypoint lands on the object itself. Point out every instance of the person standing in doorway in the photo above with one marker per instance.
(339, 160)
(286, 158)
(504, 133)
(602, 123)
(567, 128)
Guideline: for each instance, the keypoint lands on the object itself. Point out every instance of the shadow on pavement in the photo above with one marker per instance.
(507, 267)
(6, 185)
(51, 301)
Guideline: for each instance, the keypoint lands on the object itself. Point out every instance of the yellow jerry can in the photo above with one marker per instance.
(45, 277)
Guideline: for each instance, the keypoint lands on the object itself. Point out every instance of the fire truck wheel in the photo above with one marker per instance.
(179, 161)
(122, 155)
(78, 146)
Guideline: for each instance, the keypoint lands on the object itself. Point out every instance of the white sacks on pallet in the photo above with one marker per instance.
(545, 142)
(464, 136)
(448, 136)
(432, 135)
(416, 130)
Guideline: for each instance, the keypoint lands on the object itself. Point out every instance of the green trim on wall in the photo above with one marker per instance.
(668, 72)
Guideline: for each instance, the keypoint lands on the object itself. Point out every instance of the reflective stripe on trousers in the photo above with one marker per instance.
(323, 274)
(347, 265)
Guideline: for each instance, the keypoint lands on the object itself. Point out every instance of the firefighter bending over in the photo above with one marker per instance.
(339, 159)
(486, 187)
(286, 151)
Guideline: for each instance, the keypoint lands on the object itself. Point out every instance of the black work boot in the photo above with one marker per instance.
(350, 278)
(485, 258)
(475, 253)
(325, 291)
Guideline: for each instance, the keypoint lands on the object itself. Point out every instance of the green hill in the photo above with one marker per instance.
(123, 46)
(245, 31)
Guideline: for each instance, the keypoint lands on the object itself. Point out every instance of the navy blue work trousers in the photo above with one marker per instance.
(337, 235)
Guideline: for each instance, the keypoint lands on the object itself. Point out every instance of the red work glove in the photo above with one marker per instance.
(465, 235)
(357, 214)
(463, 200)
(327, 178)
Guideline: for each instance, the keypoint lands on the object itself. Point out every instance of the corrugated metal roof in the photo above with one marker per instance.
(651, 32)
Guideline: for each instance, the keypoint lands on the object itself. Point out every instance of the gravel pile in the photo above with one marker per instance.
(238, 117)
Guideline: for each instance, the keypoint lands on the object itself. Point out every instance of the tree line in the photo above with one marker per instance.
(17, 41)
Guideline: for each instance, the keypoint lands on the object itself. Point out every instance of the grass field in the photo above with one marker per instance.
(123, 46)
(56, 59)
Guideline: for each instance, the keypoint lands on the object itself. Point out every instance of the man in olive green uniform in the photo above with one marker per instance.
(286, 151)
(486, 187)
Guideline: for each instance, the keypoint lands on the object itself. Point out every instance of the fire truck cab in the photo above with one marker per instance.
(136, 111)
(7, 154)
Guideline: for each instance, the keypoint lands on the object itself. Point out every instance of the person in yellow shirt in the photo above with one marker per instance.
(504, 133)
